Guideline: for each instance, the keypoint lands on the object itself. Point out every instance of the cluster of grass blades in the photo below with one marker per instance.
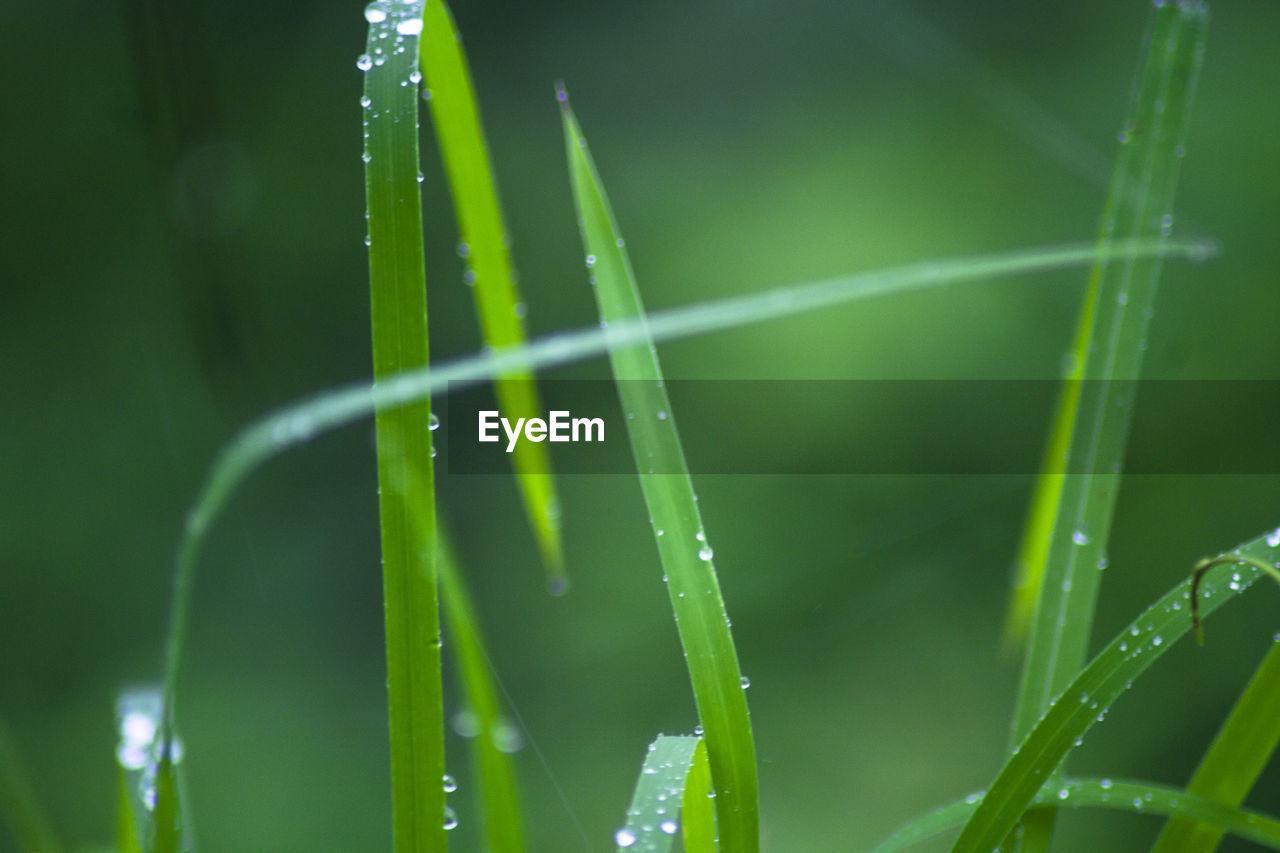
(702, 789)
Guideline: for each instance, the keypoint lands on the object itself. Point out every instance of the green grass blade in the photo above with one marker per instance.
(1118, 794)
(697, 814)
(484, 244)
(300, 422)
(19, 805)
(1093, 691)
(1118, 307)
(1237, 756)
(498, 798)
(683, 546)
(406, 502)
(652, 823)
(126, 824)
(151, 793)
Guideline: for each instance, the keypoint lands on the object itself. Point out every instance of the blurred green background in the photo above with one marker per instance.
(182, 179)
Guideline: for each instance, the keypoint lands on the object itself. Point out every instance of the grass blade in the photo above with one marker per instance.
(484, 244)
(651, 827)
(19, 806)
(697, 816)
(151, 790)
(1093, 691)
(406, 502)
(1118, 308)
(686, 553)
(1118, 794)
(302, 421)
(498, 796)
(1231, 766)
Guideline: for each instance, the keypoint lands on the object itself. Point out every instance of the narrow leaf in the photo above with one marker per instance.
(654, 819)
(1118, 794)
(1092, 692)
(1230, 768)
(405, 495)
(683, 545)
(19, 806)
(698, 818)
(490, 273)
(498, 797)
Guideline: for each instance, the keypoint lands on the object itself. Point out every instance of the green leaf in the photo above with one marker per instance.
(683, 545)
(1118, 794)
(653, 819)
(1092, 692)
(406, 502)
(697, 815)
(19, 806)
(1062, 573)
(484, 244)
(1233, 763)
(498, 799)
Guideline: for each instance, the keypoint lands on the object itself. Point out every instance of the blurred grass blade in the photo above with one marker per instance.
(151, 787)
(1093, 691)
(498, 796)
(485, 246)
(300, 422)
(1117, 309)
(651, 824)
(682, 543)
(697, 815)
(1234, 761)
(19, 806)
(126, 824)
(1118, 794)
(406, 502)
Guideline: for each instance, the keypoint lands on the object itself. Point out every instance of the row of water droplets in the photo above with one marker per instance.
(138, 752)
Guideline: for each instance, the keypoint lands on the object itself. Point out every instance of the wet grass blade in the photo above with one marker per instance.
(298, 423)
(1062, 574)
(498, 798)
(1118, 794)
(673, 509)
(490, 273)
(1234, 761)
(19, 805)
(1119, 303)
(652, 821)
(1074, 711)
(406, 502)
(697, 814)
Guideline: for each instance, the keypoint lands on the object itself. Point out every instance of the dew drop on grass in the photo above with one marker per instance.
(366, 101)
(1273, 538)
(624, 837)
(705, 553)
(375, 13)
(448, 784)
(1105, 784)
(464, 249)
(409, 27)
(466, 724)
(450, 818)
(433, 422)
(591, 261)
(746, 682)
(669, 827)
(415, 77)
(364, 62)
(1063, 793)
(1080, 537)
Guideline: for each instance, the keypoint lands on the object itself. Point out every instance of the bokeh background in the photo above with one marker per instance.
(183, 251)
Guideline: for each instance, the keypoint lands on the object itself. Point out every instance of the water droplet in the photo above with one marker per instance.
(366, 101)
(366, 157)
(368, 240)
(464, 249)
(591, 261)
(507, 738)
(1122, 298)
(1063, 793)
(1273, 538)
(1157, 640)
(469, 278)
(973, 798)
(697, 730)
(415, 76)
(426, 94)
(466, 724)
(450, 816)
(705, 553)
(1166, 224)
(669, 827)
(375, 13)
(624, 838)
(662, 415)
(1105, 784)
(433, 422)
(520, 309)
(1080, 537)
(409, 27)
(449, 784)
(364, 63)
(1123, 136)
